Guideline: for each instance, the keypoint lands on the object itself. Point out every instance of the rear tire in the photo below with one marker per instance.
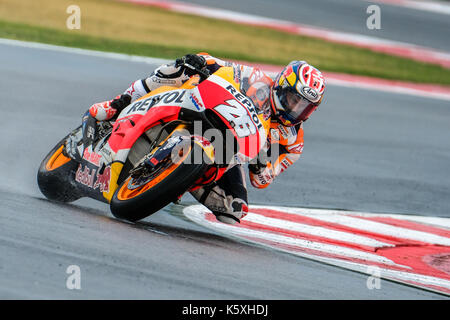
(55, 176)
(158, 195)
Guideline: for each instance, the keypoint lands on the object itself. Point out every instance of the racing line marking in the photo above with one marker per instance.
(406, 248)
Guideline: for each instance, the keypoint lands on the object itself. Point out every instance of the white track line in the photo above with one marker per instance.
(196, 214)
(443, 223)
(431, 6)
(435, 221)
(315, 231)
(85, 52)
(378, 227)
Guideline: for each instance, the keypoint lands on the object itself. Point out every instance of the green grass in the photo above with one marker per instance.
(25, 32)
(331, 57)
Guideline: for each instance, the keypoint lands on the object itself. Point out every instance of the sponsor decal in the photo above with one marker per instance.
(198, 105)
(284, 164)
(298, 148)
(262, 180)
(244, 100)
(102, 182)
(171, 142)
(284, 133)
(143, 106)
(163, 81)
(274, 134)
(92, 157)
(93, 179)
(131, 90)
(85, 176)
(310, 94)
(90, 132)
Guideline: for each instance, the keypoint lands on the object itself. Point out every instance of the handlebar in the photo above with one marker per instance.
(204, 74)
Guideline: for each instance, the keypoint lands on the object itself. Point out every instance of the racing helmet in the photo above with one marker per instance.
(296, 93)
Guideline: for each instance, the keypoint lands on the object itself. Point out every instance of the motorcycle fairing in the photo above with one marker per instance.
(237, 111)
(219, 93)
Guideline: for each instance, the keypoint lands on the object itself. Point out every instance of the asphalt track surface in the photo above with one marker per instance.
(430, 29)
(365, 150)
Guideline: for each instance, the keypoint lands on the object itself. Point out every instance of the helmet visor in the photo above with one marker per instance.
(297, 107)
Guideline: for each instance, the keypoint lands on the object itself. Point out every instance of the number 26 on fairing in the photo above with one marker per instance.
(238, 117)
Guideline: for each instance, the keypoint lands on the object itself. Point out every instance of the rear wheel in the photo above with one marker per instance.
(55, 176)
(137, 198)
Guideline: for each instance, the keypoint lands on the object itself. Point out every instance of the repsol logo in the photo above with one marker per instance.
(247, 103)
(175, 97)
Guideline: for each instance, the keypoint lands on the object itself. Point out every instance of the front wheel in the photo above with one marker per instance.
(54, 175)
(137, 198)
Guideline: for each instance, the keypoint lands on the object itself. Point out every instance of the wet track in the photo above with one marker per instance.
(350, 16)
(364, 150)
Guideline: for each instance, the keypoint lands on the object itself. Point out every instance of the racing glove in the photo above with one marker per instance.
(106, 110)
(191, 64)
(261, 177)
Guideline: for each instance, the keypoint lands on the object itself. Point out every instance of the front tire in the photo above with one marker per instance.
(55, 173)
(136, 203)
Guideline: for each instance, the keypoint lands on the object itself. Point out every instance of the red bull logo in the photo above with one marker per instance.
(94, 180)
(103, 179)
(85, 177)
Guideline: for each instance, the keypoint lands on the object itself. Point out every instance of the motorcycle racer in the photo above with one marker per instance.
(288, 101)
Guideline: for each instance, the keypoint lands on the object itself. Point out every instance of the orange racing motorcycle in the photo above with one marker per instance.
(154, 152)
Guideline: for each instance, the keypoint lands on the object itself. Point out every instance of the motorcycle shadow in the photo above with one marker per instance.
(185, 232)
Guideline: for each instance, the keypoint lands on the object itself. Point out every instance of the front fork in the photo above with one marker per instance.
(89, 129)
